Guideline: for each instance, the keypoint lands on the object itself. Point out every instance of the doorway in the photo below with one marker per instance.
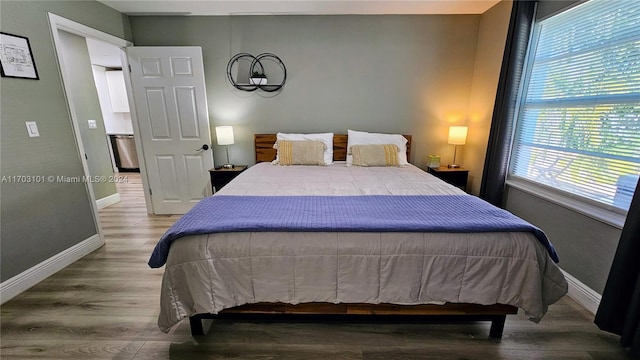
(171, 123)
(106, 64)
(70, 42)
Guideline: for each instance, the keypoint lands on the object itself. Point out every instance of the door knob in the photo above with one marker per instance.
(204, 147)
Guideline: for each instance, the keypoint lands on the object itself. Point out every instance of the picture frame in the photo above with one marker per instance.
(16, 58)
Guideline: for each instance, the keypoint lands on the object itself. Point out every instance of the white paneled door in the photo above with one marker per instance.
(173, 119)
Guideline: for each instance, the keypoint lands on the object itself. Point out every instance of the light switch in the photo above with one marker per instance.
(32, 129)
(93, 124)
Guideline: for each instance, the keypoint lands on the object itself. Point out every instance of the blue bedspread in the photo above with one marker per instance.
(374, 213)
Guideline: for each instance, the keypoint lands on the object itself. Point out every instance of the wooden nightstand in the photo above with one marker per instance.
(454, 176)
(221, 176)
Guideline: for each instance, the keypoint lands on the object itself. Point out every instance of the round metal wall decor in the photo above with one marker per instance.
(256, 72)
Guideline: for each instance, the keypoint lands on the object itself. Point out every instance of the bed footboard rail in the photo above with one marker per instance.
(448, 312)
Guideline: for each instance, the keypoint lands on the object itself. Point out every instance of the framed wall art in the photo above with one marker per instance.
(16, 57)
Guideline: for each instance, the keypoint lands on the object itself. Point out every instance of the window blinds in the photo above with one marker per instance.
(578, 125)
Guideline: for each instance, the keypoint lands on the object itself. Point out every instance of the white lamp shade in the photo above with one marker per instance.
(224, 135)
(457, 135)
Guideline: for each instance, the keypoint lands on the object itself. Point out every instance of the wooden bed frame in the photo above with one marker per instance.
(266, 153)
(496, 313)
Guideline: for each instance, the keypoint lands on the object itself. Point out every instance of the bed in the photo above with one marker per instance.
(345, 267)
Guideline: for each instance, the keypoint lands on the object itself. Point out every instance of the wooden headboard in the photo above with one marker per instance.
(266, 153)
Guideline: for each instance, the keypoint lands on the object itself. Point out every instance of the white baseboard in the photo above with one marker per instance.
(583, 294)
(30, 277)
(108, 201)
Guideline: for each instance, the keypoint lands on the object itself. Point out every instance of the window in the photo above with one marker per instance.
(578, 126)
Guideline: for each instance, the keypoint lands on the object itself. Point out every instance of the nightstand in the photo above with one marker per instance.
(221, 176)
(454, 176)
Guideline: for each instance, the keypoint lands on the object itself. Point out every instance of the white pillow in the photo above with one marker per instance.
(366, 138)
(326, 138)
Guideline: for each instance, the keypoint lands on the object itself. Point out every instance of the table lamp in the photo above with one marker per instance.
(224, 134)
(457, 136)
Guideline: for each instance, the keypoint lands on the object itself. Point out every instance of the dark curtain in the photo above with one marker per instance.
(619, 310)
(503, 120)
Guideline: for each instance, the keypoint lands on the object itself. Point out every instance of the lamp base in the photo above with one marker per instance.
(453, 166)
(228, 166)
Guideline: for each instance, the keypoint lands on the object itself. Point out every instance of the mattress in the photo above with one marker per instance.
(211, 272)
(337, 179)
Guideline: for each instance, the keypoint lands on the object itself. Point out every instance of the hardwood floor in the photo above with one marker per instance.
(105, 306)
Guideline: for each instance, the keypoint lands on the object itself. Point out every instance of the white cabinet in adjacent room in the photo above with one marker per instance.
(117, 91)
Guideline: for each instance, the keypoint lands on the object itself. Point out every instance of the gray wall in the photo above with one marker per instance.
(41, 220)
(84, 96)
(403, 74)
(492, 36)
(585, 246)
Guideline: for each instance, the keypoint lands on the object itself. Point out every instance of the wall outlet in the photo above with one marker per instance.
(32, 128)
(93, 124)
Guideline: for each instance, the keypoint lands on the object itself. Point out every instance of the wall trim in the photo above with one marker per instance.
(108, 201)
(603, 213)
(30, 277)
(582, 294)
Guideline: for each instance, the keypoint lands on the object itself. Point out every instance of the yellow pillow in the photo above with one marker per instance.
(304, 152)
(375, 155)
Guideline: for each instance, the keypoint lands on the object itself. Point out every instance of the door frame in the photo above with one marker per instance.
(58, 23)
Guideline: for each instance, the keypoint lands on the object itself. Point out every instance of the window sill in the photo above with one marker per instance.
(600, 213)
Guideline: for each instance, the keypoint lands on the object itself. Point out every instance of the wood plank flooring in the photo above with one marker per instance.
(105, 306)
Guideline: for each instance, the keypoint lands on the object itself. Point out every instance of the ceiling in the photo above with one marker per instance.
(298, 7)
